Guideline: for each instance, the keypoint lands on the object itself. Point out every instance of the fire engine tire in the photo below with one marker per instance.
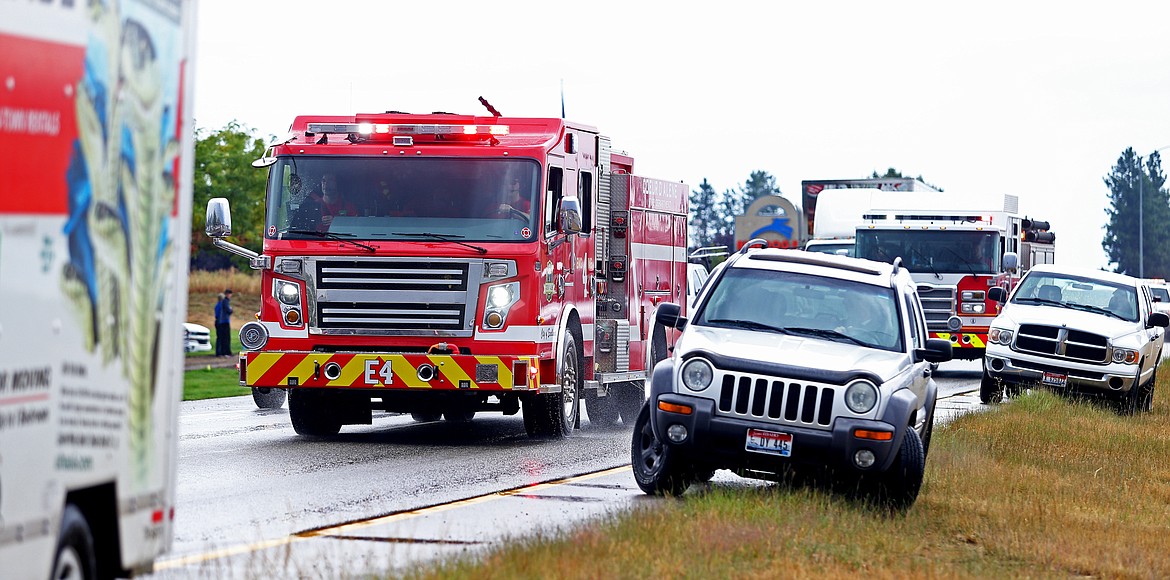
(556, 414)
(267, 398)
(459, 415)
(602, 411)
(990, 390)
(658, 469)
(426, 416)
(631, 398)
(313, 413)
(76, 557)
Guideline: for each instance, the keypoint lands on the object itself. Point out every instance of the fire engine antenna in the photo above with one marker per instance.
(562, 98)
(489, 106)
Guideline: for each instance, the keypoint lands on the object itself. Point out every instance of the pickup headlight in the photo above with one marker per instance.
(1125, 355)
(697, 374)
(1000, 336)
(861, 396)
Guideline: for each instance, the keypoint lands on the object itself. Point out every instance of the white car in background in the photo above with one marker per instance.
(196, 338)
(1160, 294)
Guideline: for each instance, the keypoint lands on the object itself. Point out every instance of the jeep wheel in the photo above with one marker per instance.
(900, 484)
(268, 398)
(990, 390)
(657, 467)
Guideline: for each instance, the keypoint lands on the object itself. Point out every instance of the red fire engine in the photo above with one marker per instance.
(442, 265)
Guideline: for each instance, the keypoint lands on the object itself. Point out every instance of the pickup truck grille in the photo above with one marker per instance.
(938, 305)
(1063, 343)
(395, 297)
(757, 397)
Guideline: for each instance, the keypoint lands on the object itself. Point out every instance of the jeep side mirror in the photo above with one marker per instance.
(1158, 319)
(997, 293)
(670, 315)
(937, 350)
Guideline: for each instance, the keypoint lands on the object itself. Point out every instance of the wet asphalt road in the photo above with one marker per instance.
(254, 500)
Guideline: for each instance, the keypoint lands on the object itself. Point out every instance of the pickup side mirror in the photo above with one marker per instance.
(937, 350)
(997, 293)
(1158, 319)
(219, 218)
(670, 315)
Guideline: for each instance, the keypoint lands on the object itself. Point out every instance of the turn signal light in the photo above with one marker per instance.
(873, 435)
(673, 408)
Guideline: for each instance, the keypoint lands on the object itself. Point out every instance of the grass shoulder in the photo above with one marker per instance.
(1039, 487)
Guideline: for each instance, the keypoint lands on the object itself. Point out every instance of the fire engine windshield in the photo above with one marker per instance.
(938, 251)
(485, 200)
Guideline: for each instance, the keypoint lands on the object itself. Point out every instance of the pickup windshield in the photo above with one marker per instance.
(1079, 293)
(373, 199)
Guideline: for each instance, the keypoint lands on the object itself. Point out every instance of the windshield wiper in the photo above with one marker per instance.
(966, 262)
(926, 261)
(444, 237)
(331, 236)
(1096, 309)
(747, 324)
(1043, 301)
(825, 333)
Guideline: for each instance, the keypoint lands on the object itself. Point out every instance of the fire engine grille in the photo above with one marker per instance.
(1062, 343)
(938, 305)
(381, 296)
(771, 399)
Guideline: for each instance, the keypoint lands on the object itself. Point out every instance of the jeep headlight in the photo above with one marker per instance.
(861, 396)
(999, 336)
(697, 374)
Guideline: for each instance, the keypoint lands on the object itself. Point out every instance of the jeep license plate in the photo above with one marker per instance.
(769, 442)
(1058, 380)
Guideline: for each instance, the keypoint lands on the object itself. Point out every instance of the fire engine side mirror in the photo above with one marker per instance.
(997, 293)
(1011, 262)
(670, 315)
(569, 215)
(218, 223)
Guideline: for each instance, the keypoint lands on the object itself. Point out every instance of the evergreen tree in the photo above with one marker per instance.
(1128, 182)
(704, 218)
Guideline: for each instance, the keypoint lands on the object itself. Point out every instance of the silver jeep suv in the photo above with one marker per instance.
(790, 359)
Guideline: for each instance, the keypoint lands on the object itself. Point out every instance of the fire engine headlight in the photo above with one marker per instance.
(288, 293)
(697, 374)
(861, 396)
(1000, 336)
(972, 308)
(500, 296)
(967, 295)
(1125, 355)
(500, 299)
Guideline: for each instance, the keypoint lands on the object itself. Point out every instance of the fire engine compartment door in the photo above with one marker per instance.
(653, 254)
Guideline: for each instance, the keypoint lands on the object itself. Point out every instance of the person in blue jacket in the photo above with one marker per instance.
(223, 324)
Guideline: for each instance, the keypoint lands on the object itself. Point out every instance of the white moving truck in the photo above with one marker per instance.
(95, 217)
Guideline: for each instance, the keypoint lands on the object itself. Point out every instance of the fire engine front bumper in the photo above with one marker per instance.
(389, 371)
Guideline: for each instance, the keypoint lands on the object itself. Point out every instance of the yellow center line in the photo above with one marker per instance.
(340, 529)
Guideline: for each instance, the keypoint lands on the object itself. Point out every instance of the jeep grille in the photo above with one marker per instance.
(390, 296)
(1061, 342)
(773, 399)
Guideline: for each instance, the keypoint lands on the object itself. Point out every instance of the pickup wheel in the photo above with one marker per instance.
(899, 486)
(657, 467)
(76, 557)
(313, 413)
(990, 390)
(268, 398)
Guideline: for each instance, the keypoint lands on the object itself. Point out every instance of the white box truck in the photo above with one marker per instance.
(95, 214)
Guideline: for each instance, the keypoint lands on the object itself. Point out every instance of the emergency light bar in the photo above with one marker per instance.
(390, 129)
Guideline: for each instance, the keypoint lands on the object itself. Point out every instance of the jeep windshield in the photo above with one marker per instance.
(932, 251)
(391, 198)
(804, 305)
(1078, 293)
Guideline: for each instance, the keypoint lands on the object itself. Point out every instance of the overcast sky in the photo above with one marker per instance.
(1035, 99)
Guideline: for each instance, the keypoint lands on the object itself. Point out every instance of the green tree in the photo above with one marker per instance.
(223, 168)
(735, 202)
(1133, 178)
(892, 173)
(704, 218)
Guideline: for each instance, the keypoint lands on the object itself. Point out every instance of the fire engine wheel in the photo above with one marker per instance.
(555, 414)
(459, 415)
(602, 411)
(426, 416)
(631, 398)
(267, 398)
(76, 558)
(313, 413)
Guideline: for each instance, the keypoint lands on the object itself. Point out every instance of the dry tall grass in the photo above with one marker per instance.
(203, 287)
(1040, 487)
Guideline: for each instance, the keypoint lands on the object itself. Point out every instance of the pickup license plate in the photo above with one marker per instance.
(1058, 380)
(771, 442)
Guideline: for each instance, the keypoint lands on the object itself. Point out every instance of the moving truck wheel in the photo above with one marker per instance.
(313, 413)
(75, 554)
(267, 398)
